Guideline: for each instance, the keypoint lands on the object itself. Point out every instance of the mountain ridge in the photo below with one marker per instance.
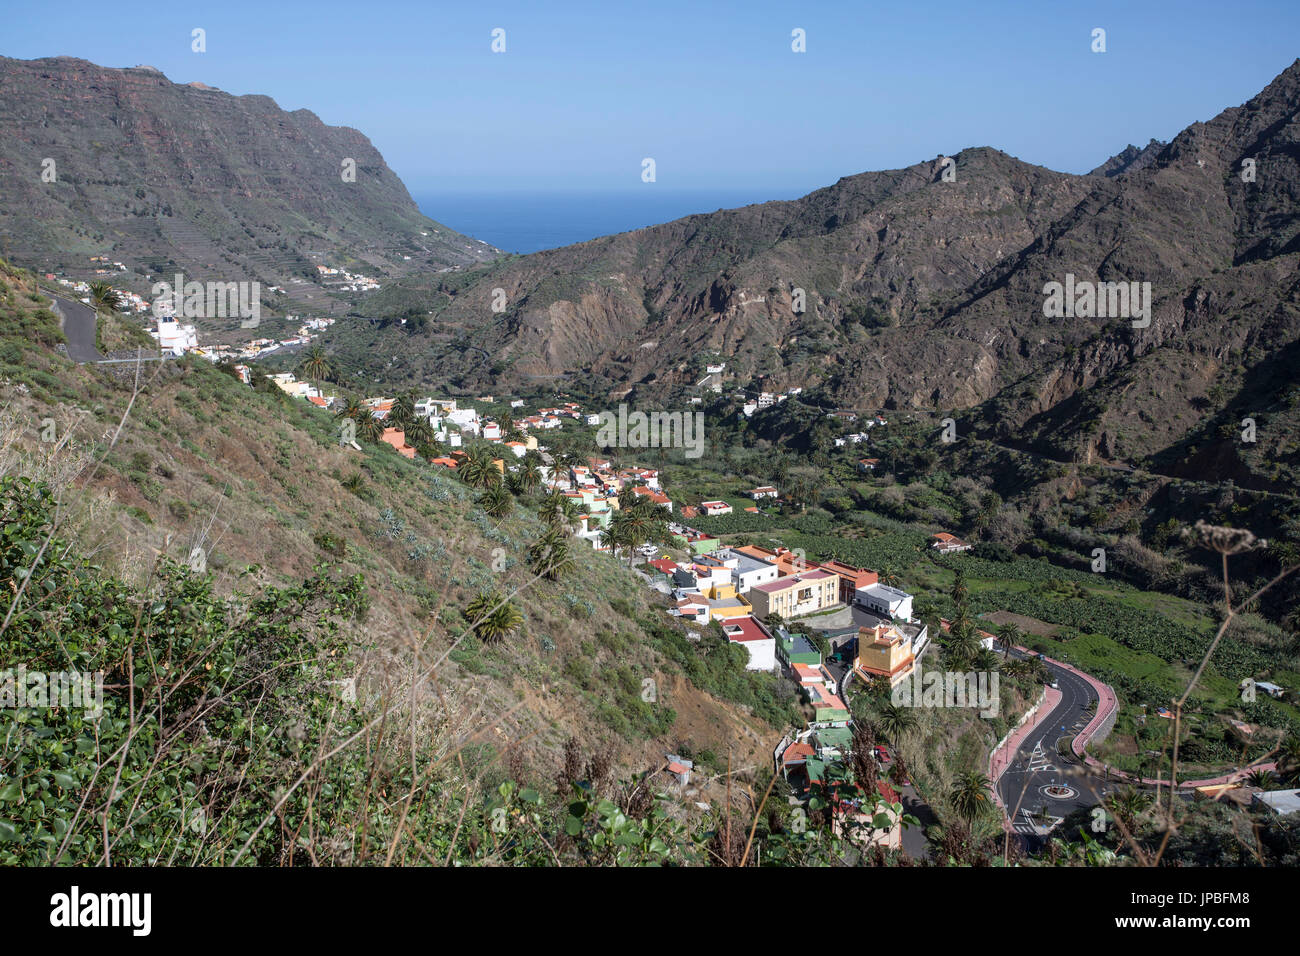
(182, 177)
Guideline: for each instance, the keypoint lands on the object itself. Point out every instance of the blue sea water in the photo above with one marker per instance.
(529, 222)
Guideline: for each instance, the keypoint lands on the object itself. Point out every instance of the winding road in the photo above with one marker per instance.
(78, 322)
(1037, 764)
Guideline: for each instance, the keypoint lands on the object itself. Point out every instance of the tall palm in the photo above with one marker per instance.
(895, 721)
(549, 554)
(104, 296)
(888, 576)
(1009, 636)
(403, 411)
(971, 797)
(960, 592)
(530, 476)
(316, 364)
(962, 623)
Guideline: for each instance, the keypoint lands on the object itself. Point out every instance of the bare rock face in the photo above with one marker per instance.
(925, 288)
(166, 177)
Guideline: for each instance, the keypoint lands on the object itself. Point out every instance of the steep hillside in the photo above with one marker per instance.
(193, 458)
(165, 177)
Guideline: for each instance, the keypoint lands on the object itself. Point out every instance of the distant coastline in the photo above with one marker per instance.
(529, 222)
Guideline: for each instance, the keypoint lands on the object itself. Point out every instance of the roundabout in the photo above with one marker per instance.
(1058, 791)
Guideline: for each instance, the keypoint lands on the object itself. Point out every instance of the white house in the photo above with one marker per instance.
(715, 508)
(174, 337)
(747, 570)
(491, 431)
(884, 600)
(750, 634)
(692, 608)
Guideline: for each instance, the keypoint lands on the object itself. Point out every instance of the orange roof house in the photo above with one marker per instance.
(786, 561)
(946, 543)
(397, 438)
(852, 579)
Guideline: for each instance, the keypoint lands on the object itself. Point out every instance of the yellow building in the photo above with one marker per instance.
(796, 594)
(724, 602)
(884, 651)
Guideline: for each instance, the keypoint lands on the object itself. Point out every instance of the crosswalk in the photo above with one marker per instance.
(1029, 824)
(1039, 761)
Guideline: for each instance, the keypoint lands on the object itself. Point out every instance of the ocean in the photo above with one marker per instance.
(530, 222)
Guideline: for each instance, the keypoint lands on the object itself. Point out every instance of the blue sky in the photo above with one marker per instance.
(711, 91)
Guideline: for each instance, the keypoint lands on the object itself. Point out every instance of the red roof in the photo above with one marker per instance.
(745, 629)
(796, 752)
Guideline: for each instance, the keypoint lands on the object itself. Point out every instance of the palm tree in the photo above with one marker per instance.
(888, 576)
(352, 408)
(478, 470)
(549, 554)
(558, 510)
(971, 796)
(370, 428)
(492, 618)
(1260, 779)
(104, 296)
(1128, 804)
(1288, 761)
(315, 364)
(403, 411)
(1008, 636)
(418, 432)
(985, 660)
(497, 502)
(529, 476)
(895, 721)
(959, 589)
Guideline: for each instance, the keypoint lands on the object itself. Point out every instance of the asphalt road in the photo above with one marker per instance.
(1037, 764)
(79, 328)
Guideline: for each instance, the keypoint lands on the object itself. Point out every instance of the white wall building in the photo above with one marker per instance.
(884, 600)
(174, 337)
